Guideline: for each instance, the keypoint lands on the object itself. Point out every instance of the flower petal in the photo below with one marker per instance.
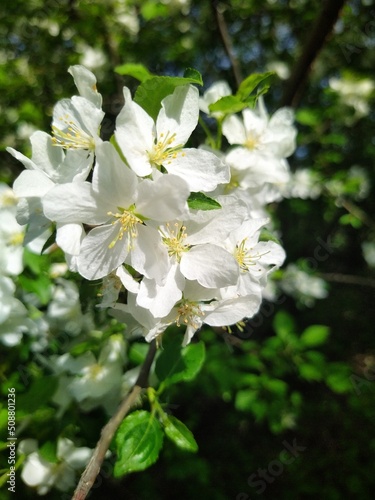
(210, 265)
(98, 256)
(135, 135)
(179, 114)
(202, 170)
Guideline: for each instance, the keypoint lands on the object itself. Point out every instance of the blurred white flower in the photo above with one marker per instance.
(302, 286)
(368, 251)
(64, 308)
(354, 93)
(92, 58)
(215, 92)
(41, 474)
(304, 184)
(89, 380)
(280, 68)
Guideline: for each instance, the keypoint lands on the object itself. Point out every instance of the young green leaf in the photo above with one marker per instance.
(199, 201)
(251, 82)
(39, 394)
(139, 440)
(48, 451)
(138, 71)
(314, 335)
(266, 235)
(153, 90)
(176, 363)
(179, 434)
(283, 324)
(228, 104)
(193, 75)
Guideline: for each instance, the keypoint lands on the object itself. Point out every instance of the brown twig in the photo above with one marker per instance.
(348, 279)
(357, 212)
(93, 467)
(319, 33)
(227, 42)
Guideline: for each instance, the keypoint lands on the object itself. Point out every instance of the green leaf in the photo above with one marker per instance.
(152, 91)
(276, 386)
(179, 434)
(338, 378)
(266, 235)
(309, 117)
(3, 420)
(193, 75)
(38, 395)
(246, 399)
(228, 104)
(152, 9)
(48, 451)
(177, 364)
(310, 372)
(314, 335)
(199, 201)
(139, 440)
(251, 82)
(41, 286)
(50, 241)
(137, 352)
(283, 324)
(33, 261)
(138, 71)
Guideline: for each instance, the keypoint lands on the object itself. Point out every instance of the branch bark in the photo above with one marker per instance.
(348, 279)
(93, 467)
(319, 33)
(227, 42)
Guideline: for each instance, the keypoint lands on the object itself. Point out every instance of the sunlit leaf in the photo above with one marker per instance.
(179, 434)
(138, 442)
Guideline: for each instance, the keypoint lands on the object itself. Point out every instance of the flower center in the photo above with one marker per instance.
(189, 313)
(128, 225)
(173, 238)
(252, 141)
(245, 258)
(73, 138)
(95, 371)
(233, 183)
(8, 198)
(163, 151)
(16, 239)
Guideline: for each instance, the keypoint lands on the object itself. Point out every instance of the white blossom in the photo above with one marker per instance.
(41, 474)
(147, 145)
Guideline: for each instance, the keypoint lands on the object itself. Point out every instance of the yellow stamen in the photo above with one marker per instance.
(128, 222)
(189, 313)
(245, 257)
(252, 141)
(74, 138)
(16, 239)
(163, 150)
(174, 238)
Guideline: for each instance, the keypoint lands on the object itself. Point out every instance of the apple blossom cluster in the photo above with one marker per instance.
(178, 228)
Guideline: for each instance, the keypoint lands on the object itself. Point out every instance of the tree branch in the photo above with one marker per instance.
(93, 467)
(357, 212)
(227, 42)
(348, 279)
(319, 33)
